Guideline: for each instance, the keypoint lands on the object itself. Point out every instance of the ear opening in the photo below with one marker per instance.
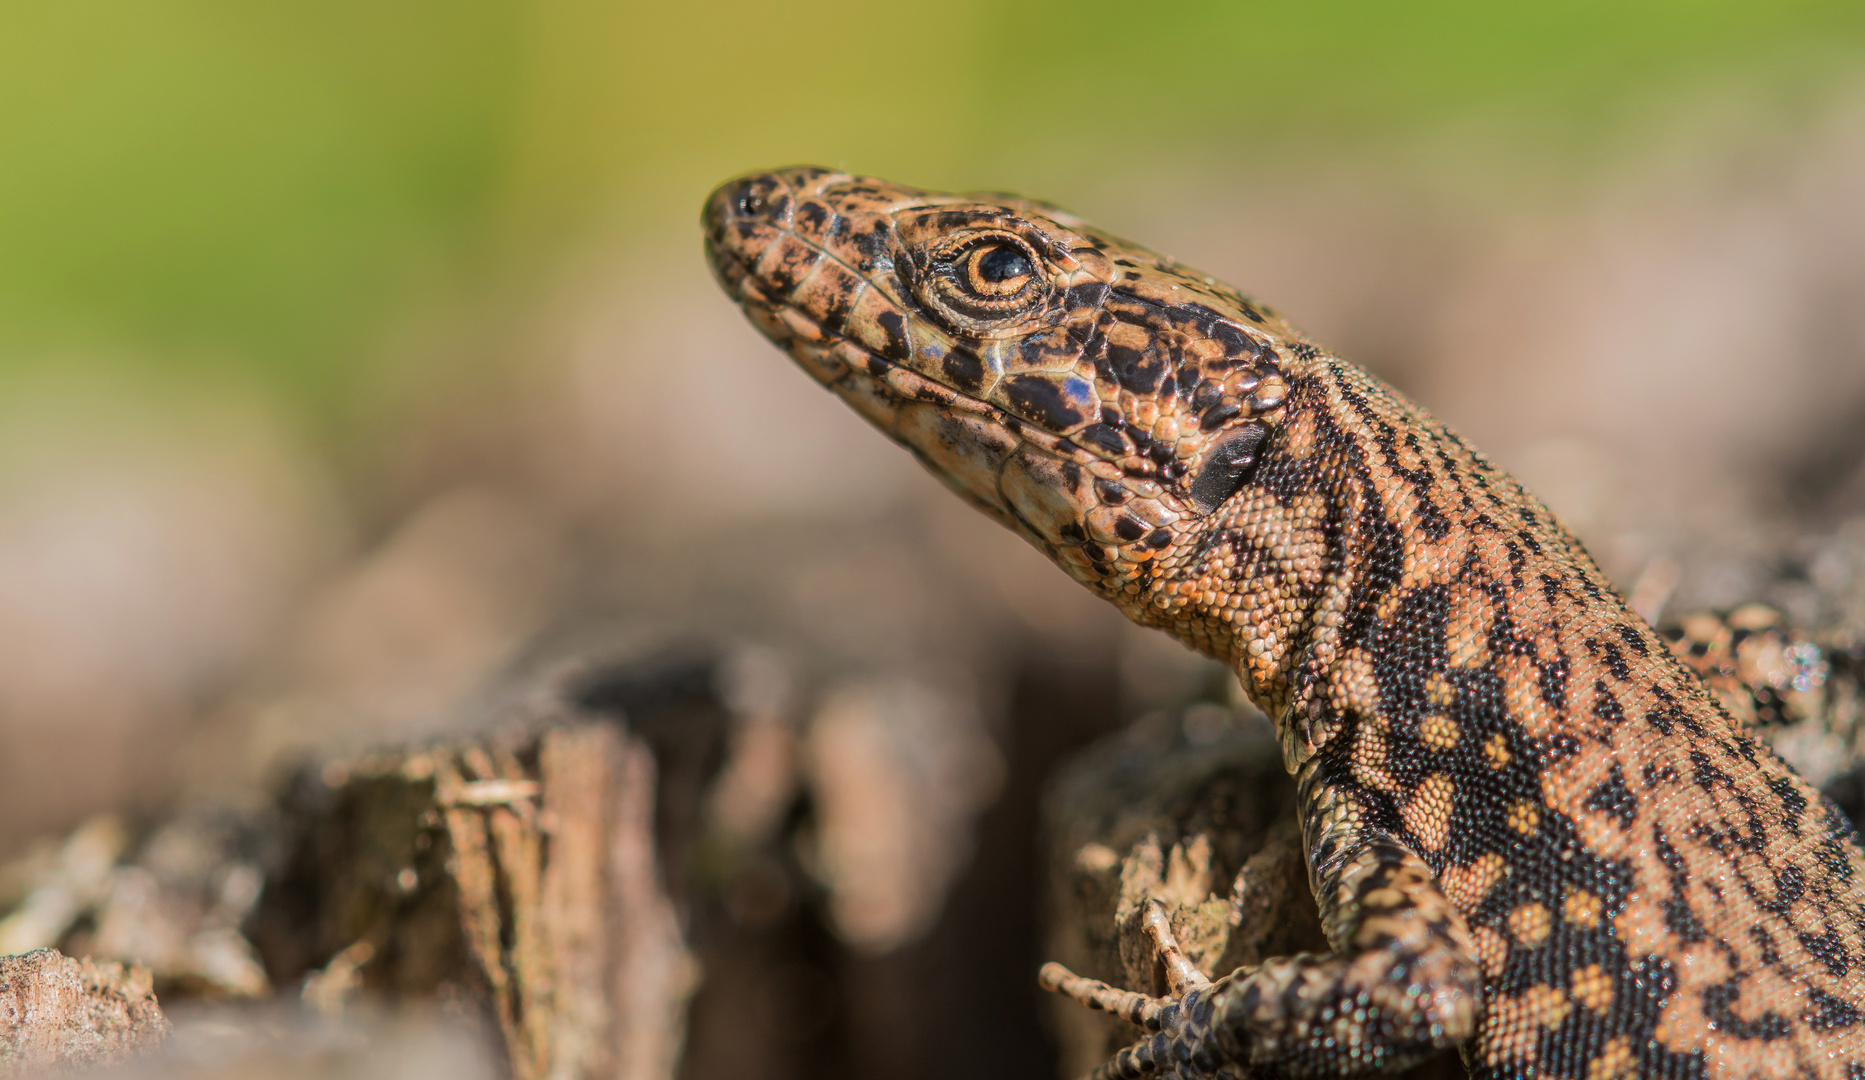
(1230, 464)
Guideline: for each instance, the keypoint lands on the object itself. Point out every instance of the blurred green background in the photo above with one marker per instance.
(269, 192)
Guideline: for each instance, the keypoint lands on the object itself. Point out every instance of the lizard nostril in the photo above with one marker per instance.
(748, 200)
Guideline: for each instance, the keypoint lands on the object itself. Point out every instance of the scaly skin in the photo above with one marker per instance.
(1532, 832)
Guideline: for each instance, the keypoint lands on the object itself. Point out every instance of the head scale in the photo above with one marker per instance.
(1101, 400)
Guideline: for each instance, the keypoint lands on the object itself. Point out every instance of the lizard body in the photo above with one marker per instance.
(1532, 832)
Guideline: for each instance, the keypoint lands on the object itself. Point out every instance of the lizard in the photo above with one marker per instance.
(1533, 834)
(1765, 671)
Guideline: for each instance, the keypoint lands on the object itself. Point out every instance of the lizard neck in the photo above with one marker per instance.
(1371, 536)
(1270, 575)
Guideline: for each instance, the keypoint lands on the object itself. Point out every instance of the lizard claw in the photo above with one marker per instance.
(1175, 1022)
(1181, 973)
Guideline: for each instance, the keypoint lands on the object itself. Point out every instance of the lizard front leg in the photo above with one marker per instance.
(1402, 984)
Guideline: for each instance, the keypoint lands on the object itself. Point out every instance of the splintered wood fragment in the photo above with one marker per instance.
(623, 974)
(579, 766)
(517, 843)
(487, 793)
(653, 974)
(476, 877)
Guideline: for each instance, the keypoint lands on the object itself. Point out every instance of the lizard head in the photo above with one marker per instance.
(1103, 401)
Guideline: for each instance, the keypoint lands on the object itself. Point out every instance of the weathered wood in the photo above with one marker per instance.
(56, 1012)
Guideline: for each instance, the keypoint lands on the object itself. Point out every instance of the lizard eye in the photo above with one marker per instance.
(990, 276)
(1229, 465)
(986, 282)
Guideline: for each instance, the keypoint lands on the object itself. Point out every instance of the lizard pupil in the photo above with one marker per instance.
(1001, 264)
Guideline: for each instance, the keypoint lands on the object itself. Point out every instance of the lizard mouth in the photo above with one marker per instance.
(804, 273)
(826, 341)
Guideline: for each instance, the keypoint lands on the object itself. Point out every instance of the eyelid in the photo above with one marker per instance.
(1054, 251)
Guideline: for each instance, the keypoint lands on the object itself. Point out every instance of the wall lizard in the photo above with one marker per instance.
(1533, 833)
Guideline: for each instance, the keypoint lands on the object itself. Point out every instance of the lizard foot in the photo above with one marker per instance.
(1180, 1042)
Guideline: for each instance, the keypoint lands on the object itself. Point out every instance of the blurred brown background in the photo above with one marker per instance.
(352, 354)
